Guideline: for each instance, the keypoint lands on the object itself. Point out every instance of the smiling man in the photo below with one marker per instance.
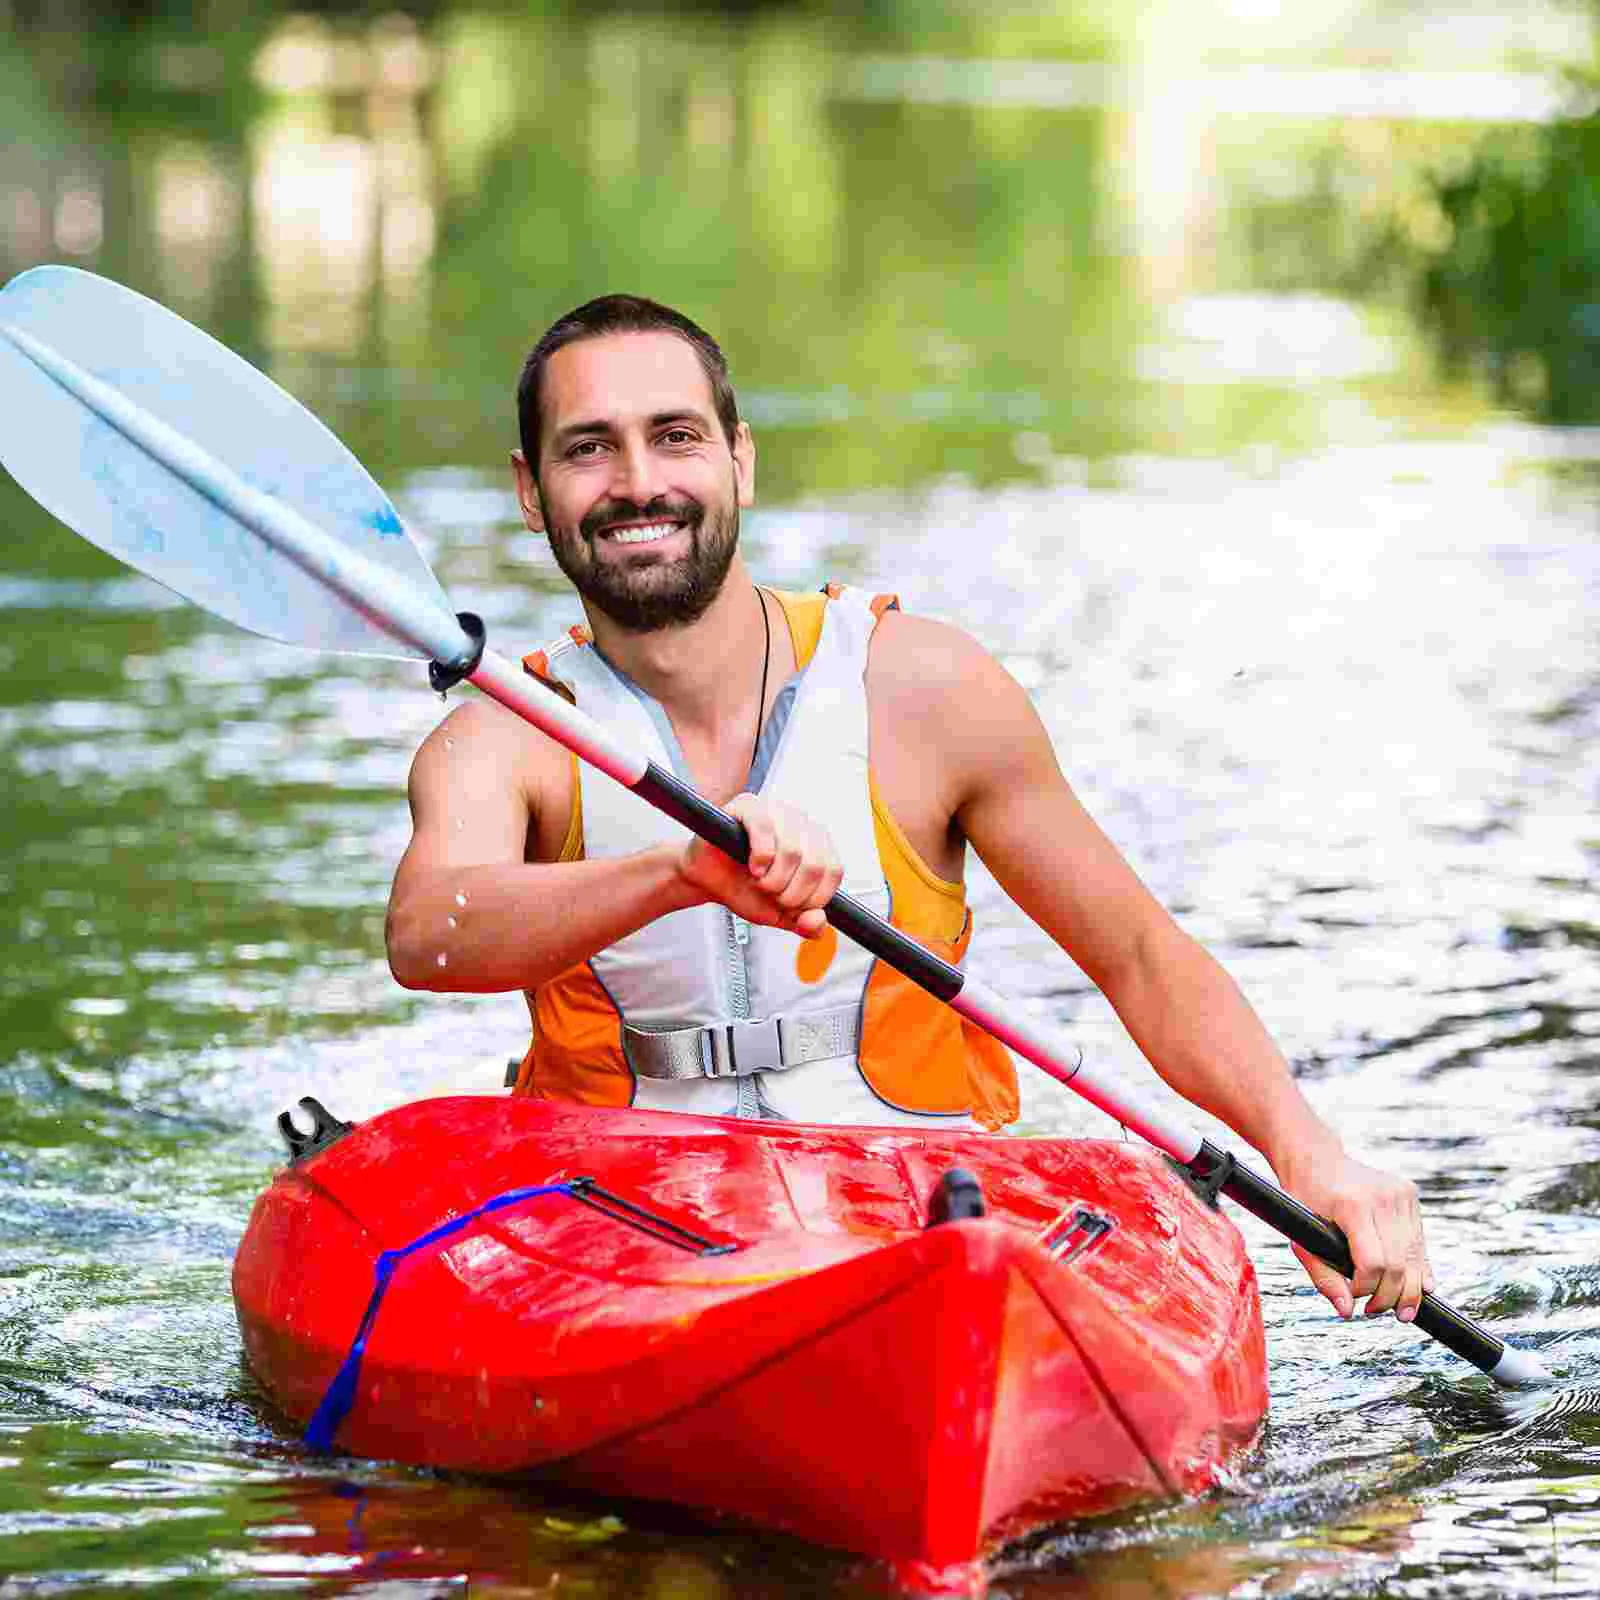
(861, 747)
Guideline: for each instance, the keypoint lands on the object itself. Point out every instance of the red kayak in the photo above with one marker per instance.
(760, 1318)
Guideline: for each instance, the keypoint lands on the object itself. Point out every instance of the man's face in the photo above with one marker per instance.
(637, 487)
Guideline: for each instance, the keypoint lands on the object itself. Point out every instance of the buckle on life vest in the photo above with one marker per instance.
(738, 1049)
(741, 1048)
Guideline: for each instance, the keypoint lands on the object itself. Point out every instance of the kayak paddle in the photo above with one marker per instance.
(175, 455)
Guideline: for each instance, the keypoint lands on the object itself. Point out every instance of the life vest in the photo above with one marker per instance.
(702, 1012)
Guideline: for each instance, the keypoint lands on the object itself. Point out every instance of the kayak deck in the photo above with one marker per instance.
(757, 1320)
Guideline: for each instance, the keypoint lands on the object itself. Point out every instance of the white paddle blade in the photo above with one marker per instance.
(120, 496)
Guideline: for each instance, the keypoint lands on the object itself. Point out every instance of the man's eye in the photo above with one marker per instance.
(678, 436)
(584, 447)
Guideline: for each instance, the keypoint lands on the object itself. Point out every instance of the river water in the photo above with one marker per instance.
(1315, 639)
(1342, 713)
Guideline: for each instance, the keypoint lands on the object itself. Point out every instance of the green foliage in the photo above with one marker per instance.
(1516, 284)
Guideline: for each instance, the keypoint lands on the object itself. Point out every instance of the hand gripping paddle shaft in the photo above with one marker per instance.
(134, 414)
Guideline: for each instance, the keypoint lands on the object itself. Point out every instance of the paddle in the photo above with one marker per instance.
(164, 448)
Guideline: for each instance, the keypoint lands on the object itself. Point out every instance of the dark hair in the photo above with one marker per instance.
(620, 313)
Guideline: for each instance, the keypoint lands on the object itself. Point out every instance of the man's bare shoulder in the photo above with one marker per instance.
(481, 722)
(948, 720)
(921, 665)
(481, 736)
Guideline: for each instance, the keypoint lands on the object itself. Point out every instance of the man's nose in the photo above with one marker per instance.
(635, 473)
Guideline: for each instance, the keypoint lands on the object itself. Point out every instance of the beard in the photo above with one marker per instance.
(643, 592)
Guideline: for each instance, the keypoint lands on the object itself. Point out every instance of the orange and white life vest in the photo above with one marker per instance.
(699, 1011)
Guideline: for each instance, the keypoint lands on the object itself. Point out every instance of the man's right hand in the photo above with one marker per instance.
(792, 873)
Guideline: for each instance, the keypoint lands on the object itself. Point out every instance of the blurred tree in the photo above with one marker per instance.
(1516, 282)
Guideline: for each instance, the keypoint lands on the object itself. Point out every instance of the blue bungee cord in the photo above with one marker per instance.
(341, 1393)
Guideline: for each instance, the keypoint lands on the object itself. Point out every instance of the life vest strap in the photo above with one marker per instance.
(739, 1049)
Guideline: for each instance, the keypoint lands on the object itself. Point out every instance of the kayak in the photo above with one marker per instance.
(909, 1345)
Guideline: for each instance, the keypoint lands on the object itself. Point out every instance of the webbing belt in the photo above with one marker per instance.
(737, 1049)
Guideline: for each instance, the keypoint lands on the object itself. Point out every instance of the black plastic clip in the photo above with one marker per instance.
(326, 1129)
(1207, 1172)
(441, 679)
(958, 1197)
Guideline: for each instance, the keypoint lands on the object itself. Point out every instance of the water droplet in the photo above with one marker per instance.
(442, 959)
(449, 744)
(461, 822)
(461, 899)
(452, 922)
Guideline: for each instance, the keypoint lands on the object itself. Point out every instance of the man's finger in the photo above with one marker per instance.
(778, 862)
(1411, 1294)
(1364, 1233)
(789, 858)
(1331, 1285)
(1386, 1295)
(786, 859)
(1406, 1251)
(800, 891)
(832, 878)
(758, 829)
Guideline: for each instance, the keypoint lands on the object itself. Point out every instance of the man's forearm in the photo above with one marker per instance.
(488, 929)
(1196, 1028)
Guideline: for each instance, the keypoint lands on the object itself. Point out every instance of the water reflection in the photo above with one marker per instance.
(386, 209)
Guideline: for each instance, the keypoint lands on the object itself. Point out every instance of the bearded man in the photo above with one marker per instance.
(862, 748)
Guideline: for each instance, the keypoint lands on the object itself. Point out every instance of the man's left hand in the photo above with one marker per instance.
(1382, 1220)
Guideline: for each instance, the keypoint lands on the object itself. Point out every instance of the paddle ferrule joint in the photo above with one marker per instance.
(444, 677)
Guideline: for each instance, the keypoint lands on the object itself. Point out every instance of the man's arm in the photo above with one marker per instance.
(1009, 799)
(469, 912)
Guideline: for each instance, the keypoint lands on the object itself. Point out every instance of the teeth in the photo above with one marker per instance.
(656, 530)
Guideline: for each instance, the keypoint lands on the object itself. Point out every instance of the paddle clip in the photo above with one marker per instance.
(442, 679)
(326, 1129)
(1207, 1172)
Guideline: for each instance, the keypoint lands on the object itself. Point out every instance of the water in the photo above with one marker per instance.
(1351, 737)
(1314, 635)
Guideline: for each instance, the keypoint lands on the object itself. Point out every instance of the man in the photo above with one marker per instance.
(859, 746)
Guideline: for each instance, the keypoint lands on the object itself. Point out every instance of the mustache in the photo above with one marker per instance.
(664, 508)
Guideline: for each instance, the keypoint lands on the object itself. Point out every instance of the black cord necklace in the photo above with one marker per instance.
(766, 658)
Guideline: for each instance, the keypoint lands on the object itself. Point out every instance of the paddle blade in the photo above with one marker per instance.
(120, 496)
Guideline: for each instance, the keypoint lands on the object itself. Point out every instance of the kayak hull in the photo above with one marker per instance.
(842, 1372)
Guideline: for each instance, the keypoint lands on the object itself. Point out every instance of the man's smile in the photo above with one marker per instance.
(640, 533)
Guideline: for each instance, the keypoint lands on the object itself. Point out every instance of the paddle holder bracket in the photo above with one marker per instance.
(326, 1129)
(442, 679)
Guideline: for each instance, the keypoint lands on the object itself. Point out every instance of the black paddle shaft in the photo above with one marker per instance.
(1327, 1242)
(669, 793)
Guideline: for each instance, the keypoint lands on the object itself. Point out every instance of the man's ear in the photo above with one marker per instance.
(528, 492)
(744, 464)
